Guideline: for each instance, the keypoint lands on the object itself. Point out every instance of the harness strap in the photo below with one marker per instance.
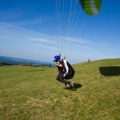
(66, 66)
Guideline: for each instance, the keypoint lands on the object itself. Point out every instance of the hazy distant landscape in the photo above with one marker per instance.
(6, 60)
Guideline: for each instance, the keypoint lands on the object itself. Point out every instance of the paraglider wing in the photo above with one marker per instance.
(91, 7)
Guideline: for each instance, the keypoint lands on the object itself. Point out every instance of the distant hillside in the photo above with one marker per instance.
(16, 61)
(107, 67)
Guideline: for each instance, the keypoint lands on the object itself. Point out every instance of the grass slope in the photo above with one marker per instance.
(32, 93)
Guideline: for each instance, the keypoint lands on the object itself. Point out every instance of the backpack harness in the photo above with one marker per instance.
(67, 69)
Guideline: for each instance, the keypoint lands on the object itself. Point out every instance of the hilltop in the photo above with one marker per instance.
(29, 93)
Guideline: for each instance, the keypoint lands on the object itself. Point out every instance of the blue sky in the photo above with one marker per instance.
(40, 29)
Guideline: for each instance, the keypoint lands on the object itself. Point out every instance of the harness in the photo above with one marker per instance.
(68, 70)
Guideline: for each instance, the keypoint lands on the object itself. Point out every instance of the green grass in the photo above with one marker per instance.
(32, 93)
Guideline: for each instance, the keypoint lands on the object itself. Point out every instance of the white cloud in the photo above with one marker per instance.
(34, 44)
(12, 33)
(27, 22)
(78, 41)
(44, 46)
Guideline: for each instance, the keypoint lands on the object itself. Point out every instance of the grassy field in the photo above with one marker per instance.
(33, 93)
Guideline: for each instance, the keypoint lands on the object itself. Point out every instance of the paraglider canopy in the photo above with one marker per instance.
(91, 7)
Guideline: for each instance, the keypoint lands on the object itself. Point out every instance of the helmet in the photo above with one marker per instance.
(56, 58)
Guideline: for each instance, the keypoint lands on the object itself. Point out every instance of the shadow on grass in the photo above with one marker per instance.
(76, 86)
(110, 70)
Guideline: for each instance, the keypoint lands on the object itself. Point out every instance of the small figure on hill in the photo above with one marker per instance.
(88, 60)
